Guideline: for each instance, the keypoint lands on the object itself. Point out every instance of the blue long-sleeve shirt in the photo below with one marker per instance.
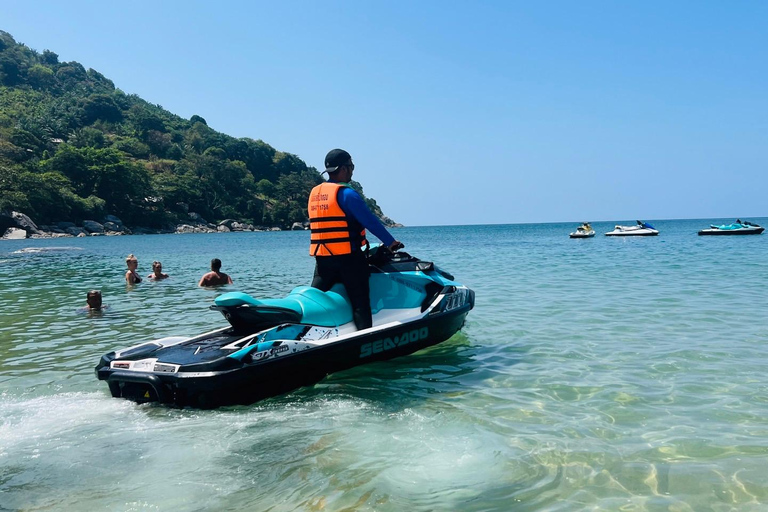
(352, 204)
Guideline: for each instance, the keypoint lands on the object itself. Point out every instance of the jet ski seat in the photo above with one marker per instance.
(328, 309)
(303, 304)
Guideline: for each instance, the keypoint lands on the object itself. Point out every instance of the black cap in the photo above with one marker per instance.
(335, 159)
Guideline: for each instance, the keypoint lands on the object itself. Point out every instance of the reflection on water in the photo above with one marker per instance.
(600, 374)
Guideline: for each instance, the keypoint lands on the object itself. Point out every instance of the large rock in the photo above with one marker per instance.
(18, 220)
(223, 229)
(25, 223)
(186, 228)
(112, 218)
(297, 226)
(15, 234)
(227, 222)
(92, 226)
(65, 225)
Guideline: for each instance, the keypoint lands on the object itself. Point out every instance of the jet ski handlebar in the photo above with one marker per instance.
(381, 254)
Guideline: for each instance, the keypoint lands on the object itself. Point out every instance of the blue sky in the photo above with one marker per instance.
(461, 112)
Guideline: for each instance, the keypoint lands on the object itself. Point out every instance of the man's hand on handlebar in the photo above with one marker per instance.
(395, 246)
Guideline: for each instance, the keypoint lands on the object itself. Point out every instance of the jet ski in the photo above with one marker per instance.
(583, 231)
(639, 229)
(739, 227)
(272, 346)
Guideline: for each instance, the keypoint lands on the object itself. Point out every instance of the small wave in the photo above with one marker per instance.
(38, 250)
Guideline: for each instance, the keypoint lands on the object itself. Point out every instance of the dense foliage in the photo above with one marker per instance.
(74, 147)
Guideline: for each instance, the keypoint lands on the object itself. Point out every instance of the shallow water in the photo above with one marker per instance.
(598, 374)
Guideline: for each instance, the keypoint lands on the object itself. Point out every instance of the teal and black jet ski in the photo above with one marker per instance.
(739, 227)
(272, 346)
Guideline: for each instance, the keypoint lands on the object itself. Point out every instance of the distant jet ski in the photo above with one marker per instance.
(275, 345)
(583, 231)
(640, 229)
(737, 228)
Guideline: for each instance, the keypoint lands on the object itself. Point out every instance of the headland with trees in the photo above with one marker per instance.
(76, 149)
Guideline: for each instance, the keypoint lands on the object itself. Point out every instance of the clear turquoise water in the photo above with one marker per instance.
(599, 374)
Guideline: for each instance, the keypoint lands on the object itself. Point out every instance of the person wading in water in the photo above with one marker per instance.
(215, 277)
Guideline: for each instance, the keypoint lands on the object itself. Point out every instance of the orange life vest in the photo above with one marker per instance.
(333, 232)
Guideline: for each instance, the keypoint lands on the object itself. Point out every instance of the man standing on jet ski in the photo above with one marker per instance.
(338, 218)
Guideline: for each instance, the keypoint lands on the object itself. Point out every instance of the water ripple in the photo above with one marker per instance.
(606, 374)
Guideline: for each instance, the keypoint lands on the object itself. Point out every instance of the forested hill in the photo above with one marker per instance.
(74, 147)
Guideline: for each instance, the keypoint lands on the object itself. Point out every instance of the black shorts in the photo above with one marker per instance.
(352, 271)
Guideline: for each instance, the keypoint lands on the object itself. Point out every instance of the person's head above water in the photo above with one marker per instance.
(215, 264)
(338, 165)
(93, 299)
(131, 261)
(157, 271)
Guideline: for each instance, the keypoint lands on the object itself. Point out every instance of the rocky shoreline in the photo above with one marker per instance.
(18, 226)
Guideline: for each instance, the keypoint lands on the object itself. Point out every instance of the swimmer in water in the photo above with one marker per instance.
(157, 272)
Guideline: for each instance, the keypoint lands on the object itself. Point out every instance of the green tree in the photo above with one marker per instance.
(40, 77)
(70, 162)
(71, 74)
(177, 188)
(144, 120)
(49, 58)
(101, 106)
(11, 195)
(159, 143)
(266, 188)
(87, 137)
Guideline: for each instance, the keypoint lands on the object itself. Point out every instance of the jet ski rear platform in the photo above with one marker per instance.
(276, 345)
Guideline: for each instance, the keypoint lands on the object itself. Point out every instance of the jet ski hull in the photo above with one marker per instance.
(590, 234)
(229, 381)
(633, 232)
(640, 229)
(638, 233)
(741, 231)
